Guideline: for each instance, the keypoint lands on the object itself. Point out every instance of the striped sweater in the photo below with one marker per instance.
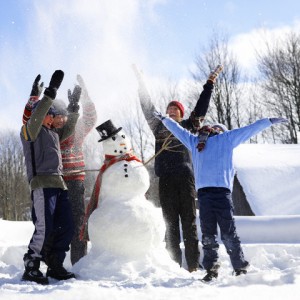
(72, 148)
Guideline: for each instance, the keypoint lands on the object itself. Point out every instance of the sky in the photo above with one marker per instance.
(270, 241)
(101, 39)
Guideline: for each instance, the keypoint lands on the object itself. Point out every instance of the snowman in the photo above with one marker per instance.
(121, 221)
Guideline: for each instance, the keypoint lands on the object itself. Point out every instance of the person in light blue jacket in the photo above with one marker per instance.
(212, 157)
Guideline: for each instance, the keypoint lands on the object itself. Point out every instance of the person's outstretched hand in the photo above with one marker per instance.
(159, 115)
(84, 92)
(37, 87)
(137, 72)
(74, 97)
(278, 120)
(54, 84)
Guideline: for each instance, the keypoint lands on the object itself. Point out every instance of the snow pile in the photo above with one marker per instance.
(269, 175)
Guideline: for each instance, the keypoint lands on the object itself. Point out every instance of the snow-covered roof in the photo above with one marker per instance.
(270, 177)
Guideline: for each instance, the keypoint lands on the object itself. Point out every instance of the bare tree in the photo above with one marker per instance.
(14, 189)
(280, 69)
(226, 105)
(135, 125)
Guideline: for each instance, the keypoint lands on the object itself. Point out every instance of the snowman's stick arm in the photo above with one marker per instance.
(79, 171)
(164, 146)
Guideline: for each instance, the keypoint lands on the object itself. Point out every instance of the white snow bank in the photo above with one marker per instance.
(270, 177)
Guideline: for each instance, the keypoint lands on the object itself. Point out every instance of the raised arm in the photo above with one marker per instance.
(241, 135)
(199, 113)
(35, 93)
(34, 125)
(147, 106)
(73, 115)
(89, 114)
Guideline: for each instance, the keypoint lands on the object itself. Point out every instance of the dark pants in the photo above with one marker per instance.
(52, 218)
(177, 199)
(216, 208)
(76, 195)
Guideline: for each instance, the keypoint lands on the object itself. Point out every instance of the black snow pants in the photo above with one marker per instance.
(216, 209)
(76, 194)
(177, 199)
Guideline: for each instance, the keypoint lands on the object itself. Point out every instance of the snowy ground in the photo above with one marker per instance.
(274, 272)
(270, 175)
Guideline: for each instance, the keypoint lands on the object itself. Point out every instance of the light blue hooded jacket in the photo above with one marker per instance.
(213, 166)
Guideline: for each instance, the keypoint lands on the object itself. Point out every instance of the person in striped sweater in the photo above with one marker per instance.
(72, 154)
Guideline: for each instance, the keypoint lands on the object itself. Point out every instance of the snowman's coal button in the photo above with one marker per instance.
(125, 165)
(125, 170)
(126, 175)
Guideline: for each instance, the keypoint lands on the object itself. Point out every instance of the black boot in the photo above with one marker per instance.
(32, 272)
(211, 273)
(56, 269)
(243, 270)
(59, 273)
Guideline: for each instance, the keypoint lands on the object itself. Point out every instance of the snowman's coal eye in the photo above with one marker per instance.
(113, 138)
(123, 136)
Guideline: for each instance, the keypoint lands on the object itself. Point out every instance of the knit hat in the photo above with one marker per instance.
(177, 104)
(220, 126)
(51, 110)
(60, 107)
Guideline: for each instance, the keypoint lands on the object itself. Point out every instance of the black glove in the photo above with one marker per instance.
(54, 84)
(278, 120)
(196, 121)
(36, 87)
(74, 97)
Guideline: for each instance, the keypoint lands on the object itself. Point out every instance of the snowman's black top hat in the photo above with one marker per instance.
(107, 130)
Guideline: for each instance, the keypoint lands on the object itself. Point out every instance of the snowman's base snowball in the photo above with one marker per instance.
(131, 229)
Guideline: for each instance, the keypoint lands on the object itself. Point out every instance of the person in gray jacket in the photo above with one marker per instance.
(51, 211)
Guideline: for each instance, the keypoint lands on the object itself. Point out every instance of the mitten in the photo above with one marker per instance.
(196, 121)
(74, 97)
(278, 120)
(159, 115)
(36, 87)
(214, 74)
(84, 92)
(54, 84)
(138, 75)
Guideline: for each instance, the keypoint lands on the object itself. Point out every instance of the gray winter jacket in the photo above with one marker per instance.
(41, 147)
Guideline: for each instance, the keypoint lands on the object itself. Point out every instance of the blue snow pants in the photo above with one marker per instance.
(52, 219)
(216, 208)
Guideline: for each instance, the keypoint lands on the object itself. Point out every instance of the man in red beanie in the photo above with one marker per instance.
(173, 166)
(175, 110)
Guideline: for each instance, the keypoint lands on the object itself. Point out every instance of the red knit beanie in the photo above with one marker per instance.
(177, 104)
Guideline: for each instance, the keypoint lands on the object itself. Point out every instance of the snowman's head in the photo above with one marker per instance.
(118, 144)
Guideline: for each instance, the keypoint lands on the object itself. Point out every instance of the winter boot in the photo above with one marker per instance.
(211, 273)
(32, 272)
(243, 270)
(194, 268)
(215, 73)
(59, 273)
(56, 269)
